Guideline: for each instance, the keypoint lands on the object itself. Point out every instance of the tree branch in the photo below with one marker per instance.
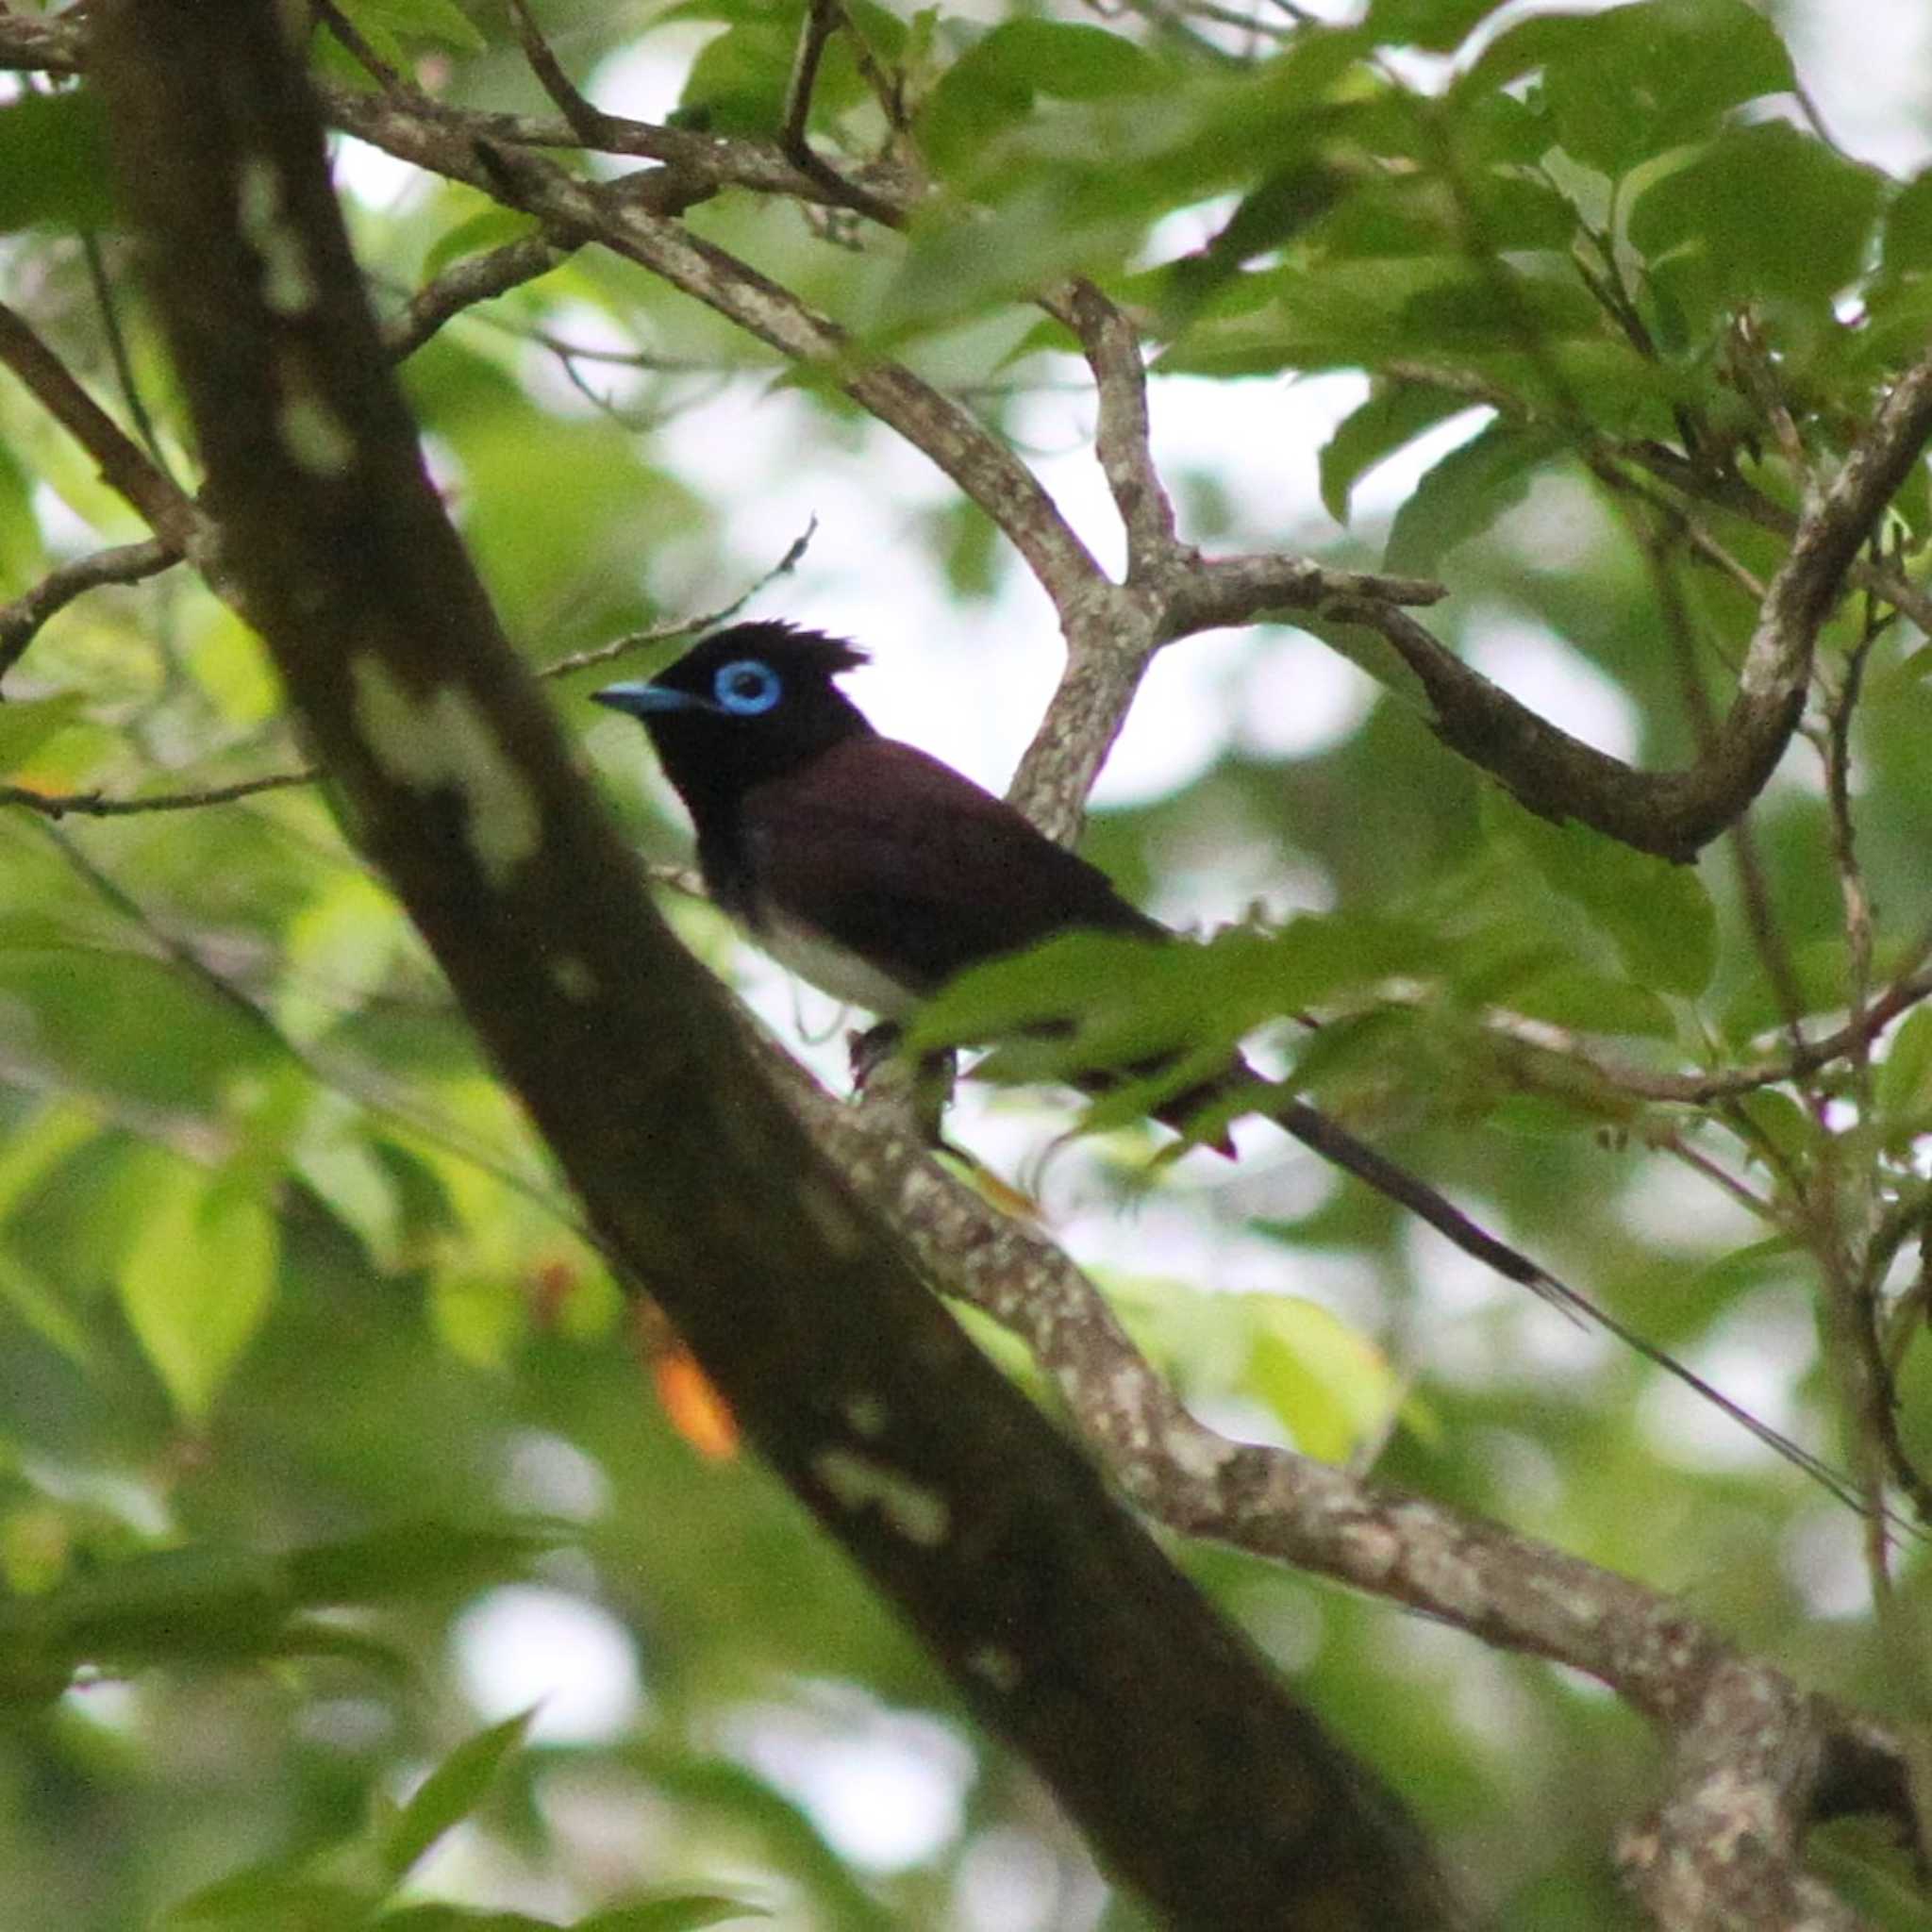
(125, 466)
(22, 619)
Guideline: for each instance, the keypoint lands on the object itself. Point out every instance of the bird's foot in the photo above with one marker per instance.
(926, 1087)
(867, 1052)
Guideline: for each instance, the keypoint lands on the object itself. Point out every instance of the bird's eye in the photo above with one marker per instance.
(747, 686)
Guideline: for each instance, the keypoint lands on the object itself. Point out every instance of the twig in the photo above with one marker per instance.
(1912, 986)
(1719, 1176)
(1122, 437)
(690, 626)
(110, 312)
(122, 463)
(20, 621)
(95, 805)
(823, 19)
(587, 122)
(365, 56)
(1836, 752)
(464, 284)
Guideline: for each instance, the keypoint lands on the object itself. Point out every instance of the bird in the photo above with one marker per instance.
(868, 867)
(876, 873)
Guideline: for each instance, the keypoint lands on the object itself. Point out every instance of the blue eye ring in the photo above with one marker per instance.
(746, 686)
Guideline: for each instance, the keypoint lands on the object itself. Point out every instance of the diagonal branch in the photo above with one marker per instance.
(125, 466)
(20, 621)
(1122, 437)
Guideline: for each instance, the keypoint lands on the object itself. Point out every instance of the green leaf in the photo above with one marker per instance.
(1908, 229)
(1392, 418)
(22, 553)
(440, 21)
(957, 262)
(490, 229)
(1588, 1002)
(1044, 985)
(279, 1896)
(123, 1025)
(682, 1912)
(1353, 314)
(1280, 207)
(1784, 1127)
(198, 1282)
(192, 1604)
(26, 725)
(407, 1557)
(996, 83)
(54, 162)
(1437, 26)
(1467, 492)
(1658, 915)
(1620, 86)
(436, 1917)
(1905, 1076)
(1115, 1001)
(43, 1308)
(451, 1792)
(1328, 1383)
(35, 1148)
(738, 82)
(1763, 213)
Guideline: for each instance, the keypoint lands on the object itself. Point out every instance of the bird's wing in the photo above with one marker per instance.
(912, 867)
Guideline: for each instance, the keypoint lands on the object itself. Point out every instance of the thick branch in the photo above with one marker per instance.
(1061, 1622)
(1673, 814)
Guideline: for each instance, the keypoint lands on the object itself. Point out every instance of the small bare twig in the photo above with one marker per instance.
(589, 123)
(689, 627)
(20, 621)
(823, 19)
(95, 805)
(110, 312)
(358, 49)
(123, 465)
(464, 284)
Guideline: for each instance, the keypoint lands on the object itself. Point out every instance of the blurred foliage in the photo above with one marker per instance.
(304, 1360)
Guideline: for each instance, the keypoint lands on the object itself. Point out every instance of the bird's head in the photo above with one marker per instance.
(752, 700)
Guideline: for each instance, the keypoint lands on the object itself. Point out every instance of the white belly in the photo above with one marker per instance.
(831, 968)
